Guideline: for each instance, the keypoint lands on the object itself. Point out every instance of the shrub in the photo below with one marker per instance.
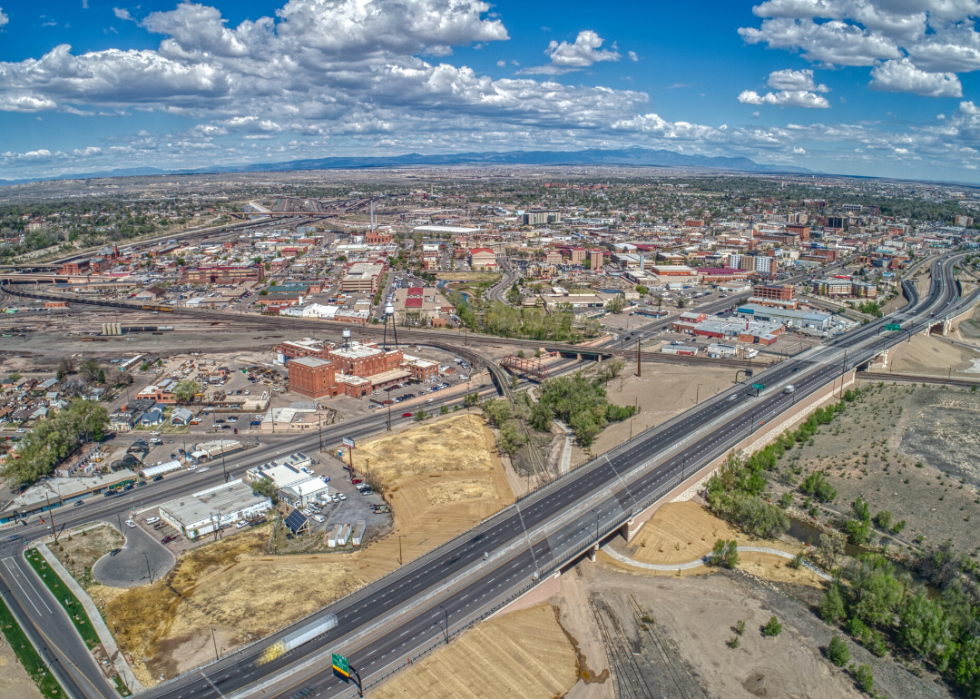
(865, 679)
(772, 627)
(837, 651)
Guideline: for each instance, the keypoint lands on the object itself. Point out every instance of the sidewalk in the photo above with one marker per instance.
(108, 642)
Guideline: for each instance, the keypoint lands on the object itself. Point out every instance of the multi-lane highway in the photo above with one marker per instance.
(384, 624)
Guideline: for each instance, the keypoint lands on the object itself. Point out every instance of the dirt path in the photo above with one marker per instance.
(15, 683)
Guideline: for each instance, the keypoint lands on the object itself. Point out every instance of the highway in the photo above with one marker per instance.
(498, 292)
(385, 623)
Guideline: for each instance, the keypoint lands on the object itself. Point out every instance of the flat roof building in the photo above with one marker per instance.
(207, 510)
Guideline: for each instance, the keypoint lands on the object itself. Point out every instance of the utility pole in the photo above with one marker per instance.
(319, 422)
(51, 514)
(401, 560)
(223, 470)
(215, 644)
(843, 368)
(639, 367)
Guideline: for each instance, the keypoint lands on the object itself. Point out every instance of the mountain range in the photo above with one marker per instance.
(635, 156)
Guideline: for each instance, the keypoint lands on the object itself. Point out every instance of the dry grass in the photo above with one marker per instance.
(468, 276)
(78, 551)
(442, 478)
(524, 655)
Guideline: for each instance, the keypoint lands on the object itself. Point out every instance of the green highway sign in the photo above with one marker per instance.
(758, 386)
(340, 665)
(893, 326)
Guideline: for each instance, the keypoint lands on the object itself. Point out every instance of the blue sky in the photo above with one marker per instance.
(866, 87)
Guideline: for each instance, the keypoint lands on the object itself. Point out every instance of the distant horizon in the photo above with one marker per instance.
(90, 86)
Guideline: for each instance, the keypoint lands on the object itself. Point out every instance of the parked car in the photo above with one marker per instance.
(79, 503)
(114, 552)
(152, 520)
(110, 493)
(341, 496)
(319, 518)
(167, 539)
(130, 523)
(158, 478)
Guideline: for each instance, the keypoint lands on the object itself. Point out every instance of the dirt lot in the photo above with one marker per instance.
(662, 392)
(79, 550)
(468, 276)
(442, 479)
(931, 356)
(524, 655)
(873, 449)
(15, 683)
(666, 637)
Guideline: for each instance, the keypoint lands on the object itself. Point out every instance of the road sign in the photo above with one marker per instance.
(340, 665)
(348, 442)
(893, 326)
(758, 386)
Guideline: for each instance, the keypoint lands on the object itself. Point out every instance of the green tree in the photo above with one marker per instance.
(185, 391)
(541, 417)
(420, 415)
(444, 410)
(725, 554)
(615, 305)
(883, 519)
(832, 609)
(511, 440)
(772, 627)
(266, 487)
(838, 652)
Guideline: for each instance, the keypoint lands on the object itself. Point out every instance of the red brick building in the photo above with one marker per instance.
(222, 274)
(313, 377)
(776, 292)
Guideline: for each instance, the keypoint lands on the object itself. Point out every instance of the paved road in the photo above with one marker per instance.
(461, 580)
(140, 561)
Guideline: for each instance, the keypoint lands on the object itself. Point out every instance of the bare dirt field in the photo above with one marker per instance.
(907, 449)
(931, 356)
(79, 550)
(663, 391)
(666, 637)
(442, 478)
(524, 655)
(680, 532)
(15, 683)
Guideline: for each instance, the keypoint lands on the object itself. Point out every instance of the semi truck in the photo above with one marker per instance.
(294, 640)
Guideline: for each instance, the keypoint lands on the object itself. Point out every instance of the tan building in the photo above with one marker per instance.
(483, 258)
(363, 277)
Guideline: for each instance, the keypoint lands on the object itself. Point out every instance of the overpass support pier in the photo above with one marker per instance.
(689, 487)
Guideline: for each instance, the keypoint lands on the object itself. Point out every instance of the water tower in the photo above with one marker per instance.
(346, 336)
(389, 317)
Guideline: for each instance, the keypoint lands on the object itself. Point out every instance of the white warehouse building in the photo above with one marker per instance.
(218, 507)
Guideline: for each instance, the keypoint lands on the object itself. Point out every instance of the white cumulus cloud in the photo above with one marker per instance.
(912, 46)
(4, 19)
(903, 76)
(584, 52)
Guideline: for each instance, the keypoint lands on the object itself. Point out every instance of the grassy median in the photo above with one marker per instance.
(27, 656)
(65, 597)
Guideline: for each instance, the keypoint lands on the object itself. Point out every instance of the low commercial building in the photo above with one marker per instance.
(749, 331)
(61, 491)
(205, 511)
(791, 318)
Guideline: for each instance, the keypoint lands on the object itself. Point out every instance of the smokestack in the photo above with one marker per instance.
(372, 215)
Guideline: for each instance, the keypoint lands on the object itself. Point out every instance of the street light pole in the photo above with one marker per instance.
(447, 622)
(596, 526)
(149, 572)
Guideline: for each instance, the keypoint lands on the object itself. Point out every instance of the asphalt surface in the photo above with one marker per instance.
(141, 559)
(39, 615)
(461, 580)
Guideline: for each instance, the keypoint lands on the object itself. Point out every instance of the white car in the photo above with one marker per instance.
(336, 498)
(320, 518)
(341, 496)
(130, 523)
(239, 525)
(152, 520)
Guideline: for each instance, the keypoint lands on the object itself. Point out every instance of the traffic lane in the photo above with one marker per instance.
(140, 561)
(55, 632)
(751, 417)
